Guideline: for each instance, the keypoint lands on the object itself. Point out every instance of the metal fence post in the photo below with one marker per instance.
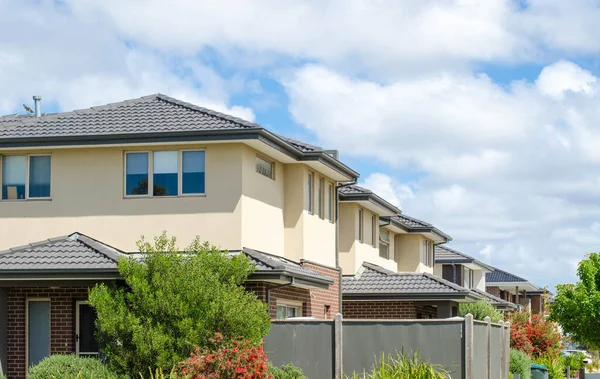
(469, 346)
(507, 349)
(503, 373)
(339, 369)
(488, 348)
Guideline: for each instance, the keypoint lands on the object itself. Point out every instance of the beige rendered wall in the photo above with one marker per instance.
(408, 253)
(88, 197)
(479, 279)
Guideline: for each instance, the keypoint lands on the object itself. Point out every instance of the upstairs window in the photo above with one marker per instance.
(26, 177)
(426, 257)
(374, 230)
(384, 244)
(468, 278)
(265, 168)
(360, 225)
(310, 192)
(331, 201)
(174, 173)
(320, 202)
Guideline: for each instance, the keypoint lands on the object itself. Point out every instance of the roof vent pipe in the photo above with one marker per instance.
(38, 101)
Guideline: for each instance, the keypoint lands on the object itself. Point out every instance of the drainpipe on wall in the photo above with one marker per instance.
(337, 237)
(274, 288)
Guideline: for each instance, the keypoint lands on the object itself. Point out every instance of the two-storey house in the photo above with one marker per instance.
(104, 176)
(517, 290)
(387, 259)
(467, 272)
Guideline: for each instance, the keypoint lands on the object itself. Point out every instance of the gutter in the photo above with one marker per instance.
(337, 236)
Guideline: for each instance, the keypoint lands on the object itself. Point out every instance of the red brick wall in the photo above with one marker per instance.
(493, 290)
(536, 304)
(329, 297)
(387, 310)
(62, 317)
(284, 293)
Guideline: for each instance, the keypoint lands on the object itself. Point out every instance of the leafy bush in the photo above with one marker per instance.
(288, 371)
(520, 363)
(535, 337)
(403, 367)
(480, 310)
(172, 302)
(574, 362)
(226, 359)
(554, 364)
(70, 367)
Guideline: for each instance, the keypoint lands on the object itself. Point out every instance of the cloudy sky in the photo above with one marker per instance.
(480, 116)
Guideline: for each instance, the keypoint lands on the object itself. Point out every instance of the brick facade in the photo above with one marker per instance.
(387, 310)
(62, 323)
(314, 301)
(493, 290)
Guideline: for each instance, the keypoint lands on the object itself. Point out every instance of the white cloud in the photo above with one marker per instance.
(564, 76)
(388, 188)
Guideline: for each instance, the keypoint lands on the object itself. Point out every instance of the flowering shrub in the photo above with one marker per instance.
(534, 337)
(231, 359)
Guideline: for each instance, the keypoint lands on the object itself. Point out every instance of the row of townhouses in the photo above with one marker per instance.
(79, 188)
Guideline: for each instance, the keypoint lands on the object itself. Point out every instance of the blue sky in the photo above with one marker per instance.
(481, 117)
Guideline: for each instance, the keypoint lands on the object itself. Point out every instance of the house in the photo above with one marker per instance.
(517, 290)
(141, 166)
(387, 260)
(467, 272)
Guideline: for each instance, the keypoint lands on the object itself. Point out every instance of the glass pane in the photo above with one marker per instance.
(291, 312)
(193, 180)
(14, 171)
(166, 166)
(87, 338)
(280, 313)
(383, 250)
(136, 174)
(320, 197)
(310, 192)
(39, 176)
(384, 235)
(38, 331)
(331, 202)
(264, 167)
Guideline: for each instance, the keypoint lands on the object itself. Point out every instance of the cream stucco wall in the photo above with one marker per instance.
(88, 197)
(408, 253)
(479, 279)
(353, 252)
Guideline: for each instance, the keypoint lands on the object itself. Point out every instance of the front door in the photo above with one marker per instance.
(38, 330)
(86, 344)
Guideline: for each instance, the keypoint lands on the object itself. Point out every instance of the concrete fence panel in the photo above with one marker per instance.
(480, 342)
(438, 341)
(495, 351)
(307, 344)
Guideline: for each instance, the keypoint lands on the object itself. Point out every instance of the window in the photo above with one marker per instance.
(265, 168)
(26, 177)
(374, 230)
(360, 225)
(174, 173)
(320, 194)
(288, 310)
(467, 278)
(331, 201)
(426, 253)
(384, 244)
(310, 192)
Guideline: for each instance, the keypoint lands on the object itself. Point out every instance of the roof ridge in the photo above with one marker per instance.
(445, 282)
(271, 262)
(508, 273)
(98, 246)
(47, 241)
(377, 268)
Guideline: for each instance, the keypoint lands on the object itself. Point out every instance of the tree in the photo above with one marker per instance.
(534, 335)
(172, 302)
(480, 310)
(577, 306)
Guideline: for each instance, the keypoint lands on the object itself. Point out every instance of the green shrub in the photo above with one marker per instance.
(288, 371)
(520, 363)
(173, 302)
(574, 362)
(403, 367)
(70, 367)
(555, 365)
(480, 310)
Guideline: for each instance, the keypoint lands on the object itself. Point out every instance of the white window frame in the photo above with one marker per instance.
(426, 253)
(267, 160)
(361, 225)
(383, 242)
(151, 174)
(27, 164)
(374, 227)
(468, 278)
(331, 210)
(311, 192)
(289, 304)
(321, 198)
(78, 332)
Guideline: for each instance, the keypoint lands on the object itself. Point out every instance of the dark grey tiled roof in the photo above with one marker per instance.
(411, 222)
(75, 252)
(302, 146)
(268, 263)
(355, 192)
(376, 280)
(154, 113)
(499, 276)
(354, 189)
(494, 299)
(443, 253)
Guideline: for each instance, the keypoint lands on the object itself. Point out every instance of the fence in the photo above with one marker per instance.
(326, 349)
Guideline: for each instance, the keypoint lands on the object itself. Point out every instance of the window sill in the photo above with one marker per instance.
(163, 197)
(25, 200)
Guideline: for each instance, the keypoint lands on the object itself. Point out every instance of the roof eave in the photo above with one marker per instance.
(457, 296)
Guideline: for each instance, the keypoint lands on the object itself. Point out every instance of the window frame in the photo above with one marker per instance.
(321, 198)
(383, 242)
(27, 172)
(361, 226)
(426, 253)
(269, 161)
(310, 183)
(374, 227)
(299, 306)
(468, 277)
(150, 193)
(331, 210)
